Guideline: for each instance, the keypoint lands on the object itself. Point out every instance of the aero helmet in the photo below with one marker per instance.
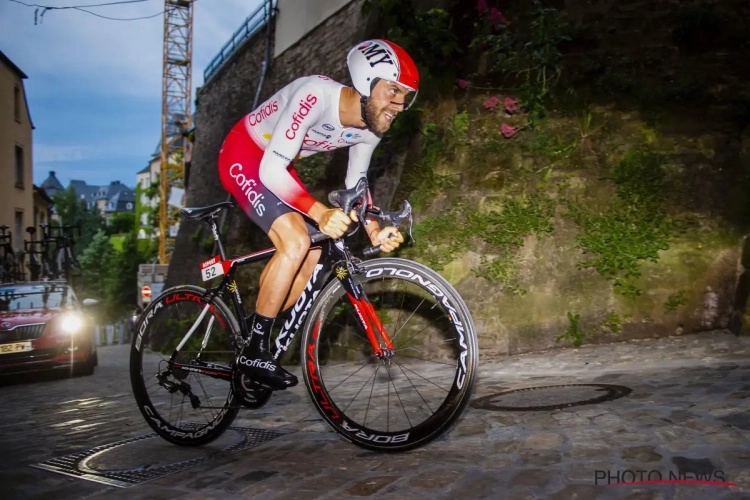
(372, 60)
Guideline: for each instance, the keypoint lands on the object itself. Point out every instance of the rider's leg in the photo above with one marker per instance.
(290, 237)
(301, 278)
(289, 234)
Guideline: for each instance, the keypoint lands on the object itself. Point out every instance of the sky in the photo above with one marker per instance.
(94, 85)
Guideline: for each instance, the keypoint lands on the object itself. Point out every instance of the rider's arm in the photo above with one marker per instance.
(359, 161)
(303, 109)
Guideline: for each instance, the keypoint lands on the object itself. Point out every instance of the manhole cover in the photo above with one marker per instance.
(551, 397)
(140, 459)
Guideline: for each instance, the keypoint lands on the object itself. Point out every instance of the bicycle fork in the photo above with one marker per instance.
(368, 318)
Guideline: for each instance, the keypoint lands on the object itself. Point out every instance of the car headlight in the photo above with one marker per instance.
(71, 323)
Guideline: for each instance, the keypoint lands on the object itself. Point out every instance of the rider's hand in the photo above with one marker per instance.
(334, 222)
(388, 239)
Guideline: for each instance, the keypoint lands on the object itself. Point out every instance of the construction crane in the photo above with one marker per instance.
(176, 112)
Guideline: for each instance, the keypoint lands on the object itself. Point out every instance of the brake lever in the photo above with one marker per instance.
(397, 218)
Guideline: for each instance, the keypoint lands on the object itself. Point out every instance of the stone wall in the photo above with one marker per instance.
(227, 98)
(654, 73)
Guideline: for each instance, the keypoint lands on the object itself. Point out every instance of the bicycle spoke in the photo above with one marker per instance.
(407, 320)
(423, 378)
(415, 388)
(399, 397)
(370, 400)
(423, 345)
(428, 360)
(360, 390)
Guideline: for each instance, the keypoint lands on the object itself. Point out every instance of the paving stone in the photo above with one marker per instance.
(543, 441)
(641, 454)
(540, 457)
(578, 492)
(436, 479)
(370, 486)
(534, 477)
(686, 413)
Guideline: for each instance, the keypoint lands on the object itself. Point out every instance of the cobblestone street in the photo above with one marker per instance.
(678, 408)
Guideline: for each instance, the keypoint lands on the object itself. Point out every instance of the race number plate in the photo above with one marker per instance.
(15, 347)
(211, 268)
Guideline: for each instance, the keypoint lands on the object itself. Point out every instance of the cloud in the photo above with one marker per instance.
(73, 49)
(94, 86)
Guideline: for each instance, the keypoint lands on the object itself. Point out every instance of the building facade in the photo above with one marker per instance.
(16, 180)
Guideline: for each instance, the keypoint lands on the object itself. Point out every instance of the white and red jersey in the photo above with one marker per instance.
(300, 120)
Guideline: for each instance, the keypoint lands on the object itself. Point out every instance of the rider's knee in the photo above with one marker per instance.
(292, 238)
(296, 245)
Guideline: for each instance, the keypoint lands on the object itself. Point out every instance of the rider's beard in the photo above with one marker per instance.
(376, 118)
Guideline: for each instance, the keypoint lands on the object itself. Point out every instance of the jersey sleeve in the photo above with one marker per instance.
(359, 162)
(302, 110)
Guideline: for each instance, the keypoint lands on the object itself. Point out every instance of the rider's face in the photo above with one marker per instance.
(385, 102)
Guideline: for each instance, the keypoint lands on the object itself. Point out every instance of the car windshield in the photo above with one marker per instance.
(20, 298)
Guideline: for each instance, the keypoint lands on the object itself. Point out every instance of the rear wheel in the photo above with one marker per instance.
(411, 399)
(182, 406)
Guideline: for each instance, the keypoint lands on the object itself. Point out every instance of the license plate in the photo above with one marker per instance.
(212, 268)
(15, 347)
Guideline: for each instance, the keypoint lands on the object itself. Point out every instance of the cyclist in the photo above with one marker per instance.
(311, 114)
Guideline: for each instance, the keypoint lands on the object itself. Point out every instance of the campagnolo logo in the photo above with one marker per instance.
(439, 294)
(247, 184)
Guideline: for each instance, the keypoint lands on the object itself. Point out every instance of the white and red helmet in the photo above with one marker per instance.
(380, 59)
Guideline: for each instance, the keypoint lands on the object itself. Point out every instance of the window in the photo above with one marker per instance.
(18, 236)
(129, 206)
(17, 103)
(19, 166)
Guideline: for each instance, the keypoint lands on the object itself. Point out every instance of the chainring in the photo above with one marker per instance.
(250, 394)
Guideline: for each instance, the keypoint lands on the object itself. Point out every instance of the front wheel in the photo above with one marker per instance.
(412, 398)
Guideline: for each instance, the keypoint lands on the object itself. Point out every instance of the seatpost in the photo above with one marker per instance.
(214, 229)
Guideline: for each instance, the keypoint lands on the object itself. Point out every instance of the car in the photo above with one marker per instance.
(43, 326)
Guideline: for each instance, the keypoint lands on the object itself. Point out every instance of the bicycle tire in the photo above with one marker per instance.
(451, 409)
(162, 427)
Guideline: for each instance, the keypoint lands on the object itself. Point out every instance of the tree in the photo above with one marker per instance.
(72, 212)
(121, 223)
(123, 282)
(97, 268)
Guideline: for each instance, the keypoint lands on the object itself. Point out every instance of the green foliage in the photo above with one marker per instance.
(439, 144)
(312, 170)
(635, 226)
(121, 223)
(72, 211)
(576, 333)
(427, 37)
(96, 261)
(675, 300)
(445, 237)
(531, 55)
(122, 293)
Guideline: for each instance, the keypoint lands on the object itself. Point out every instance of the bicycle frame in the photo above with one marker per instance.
(334, 254)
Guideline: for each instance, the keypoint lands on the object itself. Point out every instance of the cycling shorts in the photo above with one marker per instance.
(239, 162)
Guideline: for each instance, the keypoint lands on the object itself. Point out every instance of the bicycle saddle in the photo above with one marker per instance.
(201, 213)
